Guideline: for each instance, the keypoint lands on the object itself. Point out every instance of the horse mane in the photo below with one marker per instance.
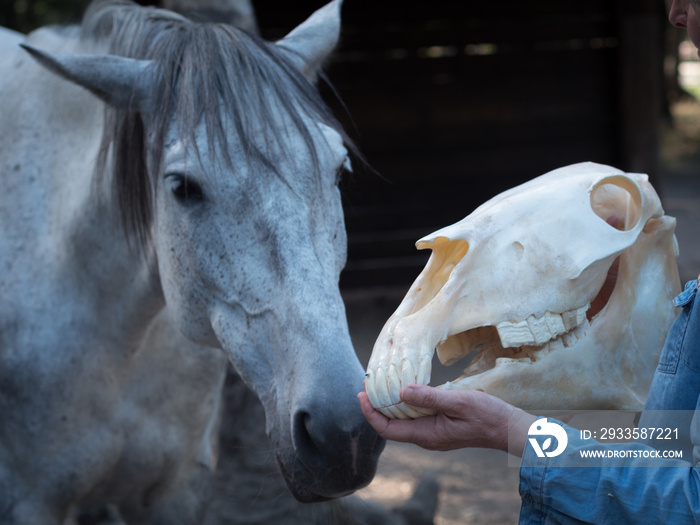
(207, 71)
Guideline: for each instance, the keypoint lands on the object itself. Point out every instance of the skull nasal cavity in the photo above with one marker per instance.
(449, 253)
(617, 201)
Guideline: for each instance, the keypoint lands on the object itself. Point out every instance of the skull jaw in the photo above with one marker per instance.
(557, 376)
(585, 376)
(572, 378)
(569, 378)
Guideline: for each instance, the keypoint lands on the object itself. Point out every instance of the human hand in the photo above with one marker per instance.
(464, 418)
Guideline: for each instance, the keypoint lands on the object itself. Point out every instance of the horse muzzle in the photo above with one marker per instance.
(334, 453)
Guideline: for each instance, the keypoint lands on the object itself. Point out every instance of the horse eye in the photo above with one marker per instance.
(344, 168)
(183, 187)
(339, 175)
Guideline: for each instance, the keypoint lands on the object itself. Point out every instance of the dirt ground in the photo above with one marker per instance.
(478, 486)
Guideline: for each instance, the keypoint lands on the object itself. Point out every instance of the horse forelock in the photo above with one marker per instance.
(210, 74)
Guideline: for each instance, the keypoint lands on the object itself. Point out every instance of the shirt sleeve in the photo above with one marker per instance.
(626, 485)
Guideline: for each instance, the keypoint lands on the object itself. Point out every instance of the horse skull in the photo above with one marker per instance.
(520, 284)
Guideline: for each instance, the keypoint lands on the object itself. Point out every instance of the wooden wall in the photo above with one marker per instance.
(453, 102)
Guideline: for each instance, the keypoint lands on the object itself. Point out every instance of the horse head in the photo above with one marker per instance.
(225, 166)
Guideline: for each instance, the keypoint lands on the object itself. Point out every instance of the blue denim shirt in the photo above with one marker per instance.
(555, 490)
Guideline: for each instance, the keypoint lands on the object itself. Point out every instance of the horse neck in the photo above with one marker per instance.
(125, 279)
(81, 221)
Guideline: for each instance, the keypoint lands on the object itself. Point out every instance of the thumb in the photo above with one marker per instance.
(424, 396)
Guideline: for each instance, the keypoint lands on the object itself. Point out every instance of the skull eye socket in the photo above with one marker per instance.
(618, 201)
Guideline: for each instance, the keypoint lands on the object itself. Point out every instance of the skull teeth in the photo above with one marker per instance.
(535, 331)
(483, 361)
(536, 354)
(524, 354)
(522, 342)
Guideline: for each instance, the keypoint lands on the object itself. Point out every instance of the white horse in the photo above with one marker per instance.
(193, 188)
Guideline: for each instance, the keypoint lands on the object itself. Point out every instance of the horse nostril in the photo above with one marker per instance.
(335, 446)
(306, 441)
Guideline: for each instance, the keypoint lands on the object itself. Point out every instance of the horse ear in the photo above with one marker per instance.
(121, 82)
(313, 41)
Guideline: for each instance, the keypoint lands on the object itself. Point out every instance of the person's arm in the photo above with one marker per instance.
(568, 488)
(465, 418)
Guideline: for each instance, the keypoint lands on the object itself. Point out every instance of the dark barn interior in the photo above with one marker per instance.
(454, 102)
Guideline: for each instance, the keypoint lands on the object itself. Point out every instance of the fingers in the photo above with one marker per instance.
(464, 418)
(450, 402)
(416, 431)
(422, 396)
(375, 418)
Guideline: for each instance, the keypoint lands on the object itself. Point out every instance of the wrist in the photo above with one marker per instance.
(517, 425)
